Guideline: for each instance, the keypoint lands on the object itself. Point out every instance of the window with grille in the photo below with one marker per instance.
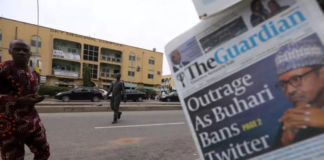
(104, 72)
(150, 75)
(131, 71)
(71, 50)
(57, 48)
(34, 43)
(93, 71)
(132, 57)
(90, 53)
(151, 61)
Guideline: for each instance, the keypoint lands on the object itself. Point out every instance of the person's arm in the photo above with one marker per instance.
(4, 98)
(124, 91)
(110, 89)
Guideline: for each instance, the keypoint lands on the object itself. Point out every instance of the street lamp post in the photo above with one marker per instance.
(37, 28)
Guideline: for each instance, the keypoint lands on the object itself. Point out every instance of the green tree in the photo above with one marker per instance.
(170, 88)
(86, 75)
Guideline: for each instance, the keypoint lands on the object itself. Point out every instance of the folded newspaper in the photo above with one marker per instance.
(207, 8)
(251, 81)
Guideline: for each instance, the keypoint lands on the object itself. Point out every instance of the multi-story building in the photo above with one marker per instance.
(61, 56)
(167, 83)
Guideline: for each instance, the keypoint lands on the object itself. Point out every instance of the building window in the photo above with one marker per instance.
(71, 50)
(151, 61)
(57, 48)
(90, 53)
(132, 57)
(116, 71)
(93, 70)
(105, 72)
(33, 41)
(150, 75)
(131, 71)
(0, 35)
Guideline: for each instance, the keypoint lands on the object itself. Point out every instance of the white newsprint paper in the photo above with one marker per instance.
(207, 8)
(251, 81)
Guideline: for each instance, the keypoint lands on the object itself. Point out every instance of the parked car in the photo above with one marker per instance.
(134, 95)
(104, 93)
(173, 96)
(80, 93)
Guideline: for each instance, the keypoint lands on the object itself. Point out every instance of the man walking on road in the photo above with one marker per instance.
(117, 88)
(19, 121)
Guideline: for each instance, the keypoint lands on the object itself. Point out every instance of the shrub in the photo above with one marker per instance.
(51, 90)
(150, 91)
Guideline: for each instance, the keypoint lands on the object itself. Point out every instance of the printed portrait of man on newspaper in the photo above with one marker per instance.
(300, 67)
(261, 13)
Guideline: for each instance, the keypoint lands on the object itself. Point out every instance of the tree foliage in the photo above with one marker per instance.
(86, 75)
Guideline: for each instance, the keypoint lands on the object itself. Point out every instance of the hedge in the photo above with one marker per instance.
(51, 90)
(150, 91)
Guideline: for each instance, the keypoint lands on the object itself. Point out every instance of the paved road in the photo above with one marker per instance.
(73, 136)
(52, 101)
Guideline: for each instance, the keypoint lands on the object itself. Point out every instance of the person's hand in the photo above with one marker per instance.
(289, 133)
(303, 117)
(30, 99)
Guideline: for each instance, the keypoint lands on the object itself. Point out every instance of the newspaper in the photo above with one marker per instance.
(251, 83)
(207, 8)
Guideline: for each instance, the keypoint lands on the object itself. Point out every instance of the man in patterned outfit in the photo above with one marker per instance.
(19, 121)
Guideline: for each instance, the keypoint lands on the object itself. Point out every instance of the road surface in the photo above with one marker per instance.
(52, 101)
(138, 136)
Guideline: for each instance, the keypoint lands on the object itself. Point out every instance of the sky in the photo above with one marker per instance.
(145, 24)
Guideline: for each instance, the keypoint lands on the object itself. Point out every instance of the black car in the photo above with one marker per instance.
(81, 93)
(173, 96)
(134, 95)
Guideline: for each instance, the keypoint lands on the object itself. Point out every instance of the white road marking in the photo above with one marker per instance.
(143, 125)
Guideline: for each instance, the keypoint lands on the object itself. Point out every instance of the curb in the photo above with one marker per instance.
(68, 109)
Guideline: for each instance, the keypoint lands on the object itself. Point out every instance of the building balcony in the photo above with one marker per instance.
(66, 50)
(65, 68)
(108, 71)
(111, 56)
(107, 75)
(111, 59)
(66, 55)
(60, 72)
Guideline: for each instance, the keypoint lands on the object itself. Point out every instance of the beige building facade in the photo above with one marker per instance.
(61, 56)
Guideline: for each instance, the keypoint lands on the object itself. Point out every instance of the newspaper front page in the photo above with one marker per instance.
(251, 81)
(207, 8)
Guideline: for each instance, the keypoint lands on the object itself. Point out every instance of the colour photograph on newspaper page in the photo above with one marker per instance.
(251, 81)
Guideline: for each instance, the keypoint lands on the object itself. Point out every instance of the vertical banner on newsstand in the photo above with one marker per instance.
(251, 81)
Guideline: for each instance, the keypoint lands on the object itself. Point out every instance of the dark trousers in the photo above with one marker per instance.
(114, 105)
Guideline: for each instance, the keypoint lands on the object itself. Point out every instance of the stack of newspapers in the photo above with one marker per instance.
(250, 77)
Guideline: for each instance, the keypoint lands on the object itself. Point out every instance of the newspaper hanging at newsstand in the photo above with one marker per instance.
(207, 8)
(251, 81)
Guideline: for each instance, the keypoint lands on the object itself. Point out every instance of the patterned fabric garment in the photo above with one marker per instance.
(20, 124)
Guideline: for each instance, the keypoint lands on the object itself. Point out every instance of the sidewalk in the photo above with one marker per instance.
(59, 108)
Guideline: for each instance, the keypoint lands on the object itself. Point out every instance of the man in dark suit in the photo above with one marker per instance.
(300, 66)
(117, 88)
(176, 60)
